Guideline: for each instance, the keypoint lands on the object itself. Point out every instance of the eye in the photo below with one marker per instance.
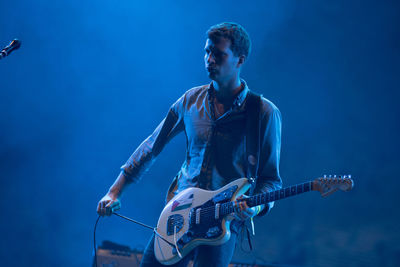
(218, 54)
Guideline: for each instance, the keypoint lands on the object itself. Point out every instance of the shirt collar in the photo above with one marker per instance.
(240, 98)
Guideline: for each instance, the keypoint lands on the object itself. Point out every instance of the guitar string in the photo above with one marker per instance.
(230, 205)
(206, 213)
(275, 195)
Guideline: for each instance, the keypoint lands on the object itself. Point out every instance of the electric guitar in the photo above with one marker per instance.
(199, 217)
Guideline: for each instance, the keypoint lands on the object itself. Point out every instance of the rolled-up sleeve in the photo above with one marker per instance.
(145, 155)
(270, 136)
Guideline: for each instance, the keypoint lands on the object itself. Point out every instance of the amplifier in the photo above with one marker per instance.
(110, 254)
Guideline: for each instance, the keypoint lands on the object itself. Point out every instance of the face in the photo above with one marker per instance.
(220, 62)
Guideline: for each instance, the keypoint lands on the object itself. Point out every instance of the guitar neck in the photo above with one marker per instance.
(290, 191)
(265, 198)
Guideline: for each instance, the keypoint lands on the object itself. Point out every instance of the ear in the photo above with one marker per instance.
(241, 60)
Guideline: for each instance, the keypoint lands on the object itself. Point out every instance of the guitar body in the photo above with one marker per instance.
(190, 219)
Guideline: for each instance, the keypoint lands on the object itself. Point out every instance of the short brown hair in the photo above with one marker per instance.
(240, 40)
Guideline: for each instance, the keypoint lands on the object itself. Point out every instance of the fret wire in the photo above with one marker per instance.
(292, 191)
(299, 188)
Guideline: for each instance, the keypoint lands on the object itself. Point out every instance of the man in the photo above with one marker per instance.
(213, 118)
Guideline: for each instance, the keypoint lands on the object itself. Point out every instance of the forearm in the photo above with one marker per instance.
(119, 185)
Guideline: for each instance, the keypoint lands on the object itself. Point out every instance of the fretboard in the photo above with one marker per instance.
(265, 198)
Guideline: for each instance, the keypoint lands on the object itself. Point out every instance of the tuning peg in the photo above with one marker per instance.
(350, 176)
(334, 176)
(330, 176)
(324, 175)
(340, 176)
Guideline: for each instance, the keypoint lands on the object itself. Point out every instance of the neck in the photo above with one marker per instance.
(226, 91)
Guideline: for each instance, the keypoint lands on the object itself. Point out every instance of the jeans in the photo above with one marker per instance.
(203, 255)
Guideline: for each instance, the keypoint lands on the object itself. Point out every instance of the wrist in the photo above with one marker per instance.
(113, 194)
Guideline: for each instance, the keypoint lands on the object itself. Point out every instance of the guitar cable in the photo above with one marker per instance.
(131, 220)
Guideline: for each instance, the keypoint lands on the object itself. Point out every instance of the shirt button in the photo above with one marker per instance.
(252, 160)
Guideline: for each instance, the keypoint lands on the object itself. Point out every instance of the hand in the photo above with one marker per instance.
(107, 205)
(242, 211)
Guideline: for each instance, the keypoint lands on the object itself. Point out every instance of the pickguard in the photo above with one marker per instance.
(209, 228)
(225, 195)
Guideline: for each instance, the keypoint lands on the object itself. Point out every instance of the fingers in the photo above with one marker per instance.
(101, 207)
(107, 206)
(98, 208)
(242, 210)
(112, 206)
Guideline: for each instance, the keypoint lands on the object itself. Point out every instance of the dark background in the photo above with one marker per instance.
(92, 79)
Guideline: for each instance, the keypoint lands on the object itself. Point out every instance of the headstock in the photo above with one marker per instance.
(328, 185)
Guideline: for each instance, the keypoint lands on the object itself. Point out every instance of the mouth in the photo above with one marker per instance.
(211, 69)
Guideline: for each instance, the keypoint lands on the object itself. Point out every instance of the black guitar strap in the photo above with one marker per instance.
(252, 137)
(252, 140)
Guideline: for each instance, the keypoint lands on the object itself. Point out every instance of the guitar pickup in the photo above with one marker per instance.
(217, 211)
(198, 216)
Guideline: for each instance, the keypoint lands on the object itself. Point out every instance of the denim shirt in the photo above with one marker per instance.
(215, 148)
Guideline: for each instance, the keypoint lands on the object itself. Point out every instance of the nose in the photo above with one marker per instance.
(209, 58)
